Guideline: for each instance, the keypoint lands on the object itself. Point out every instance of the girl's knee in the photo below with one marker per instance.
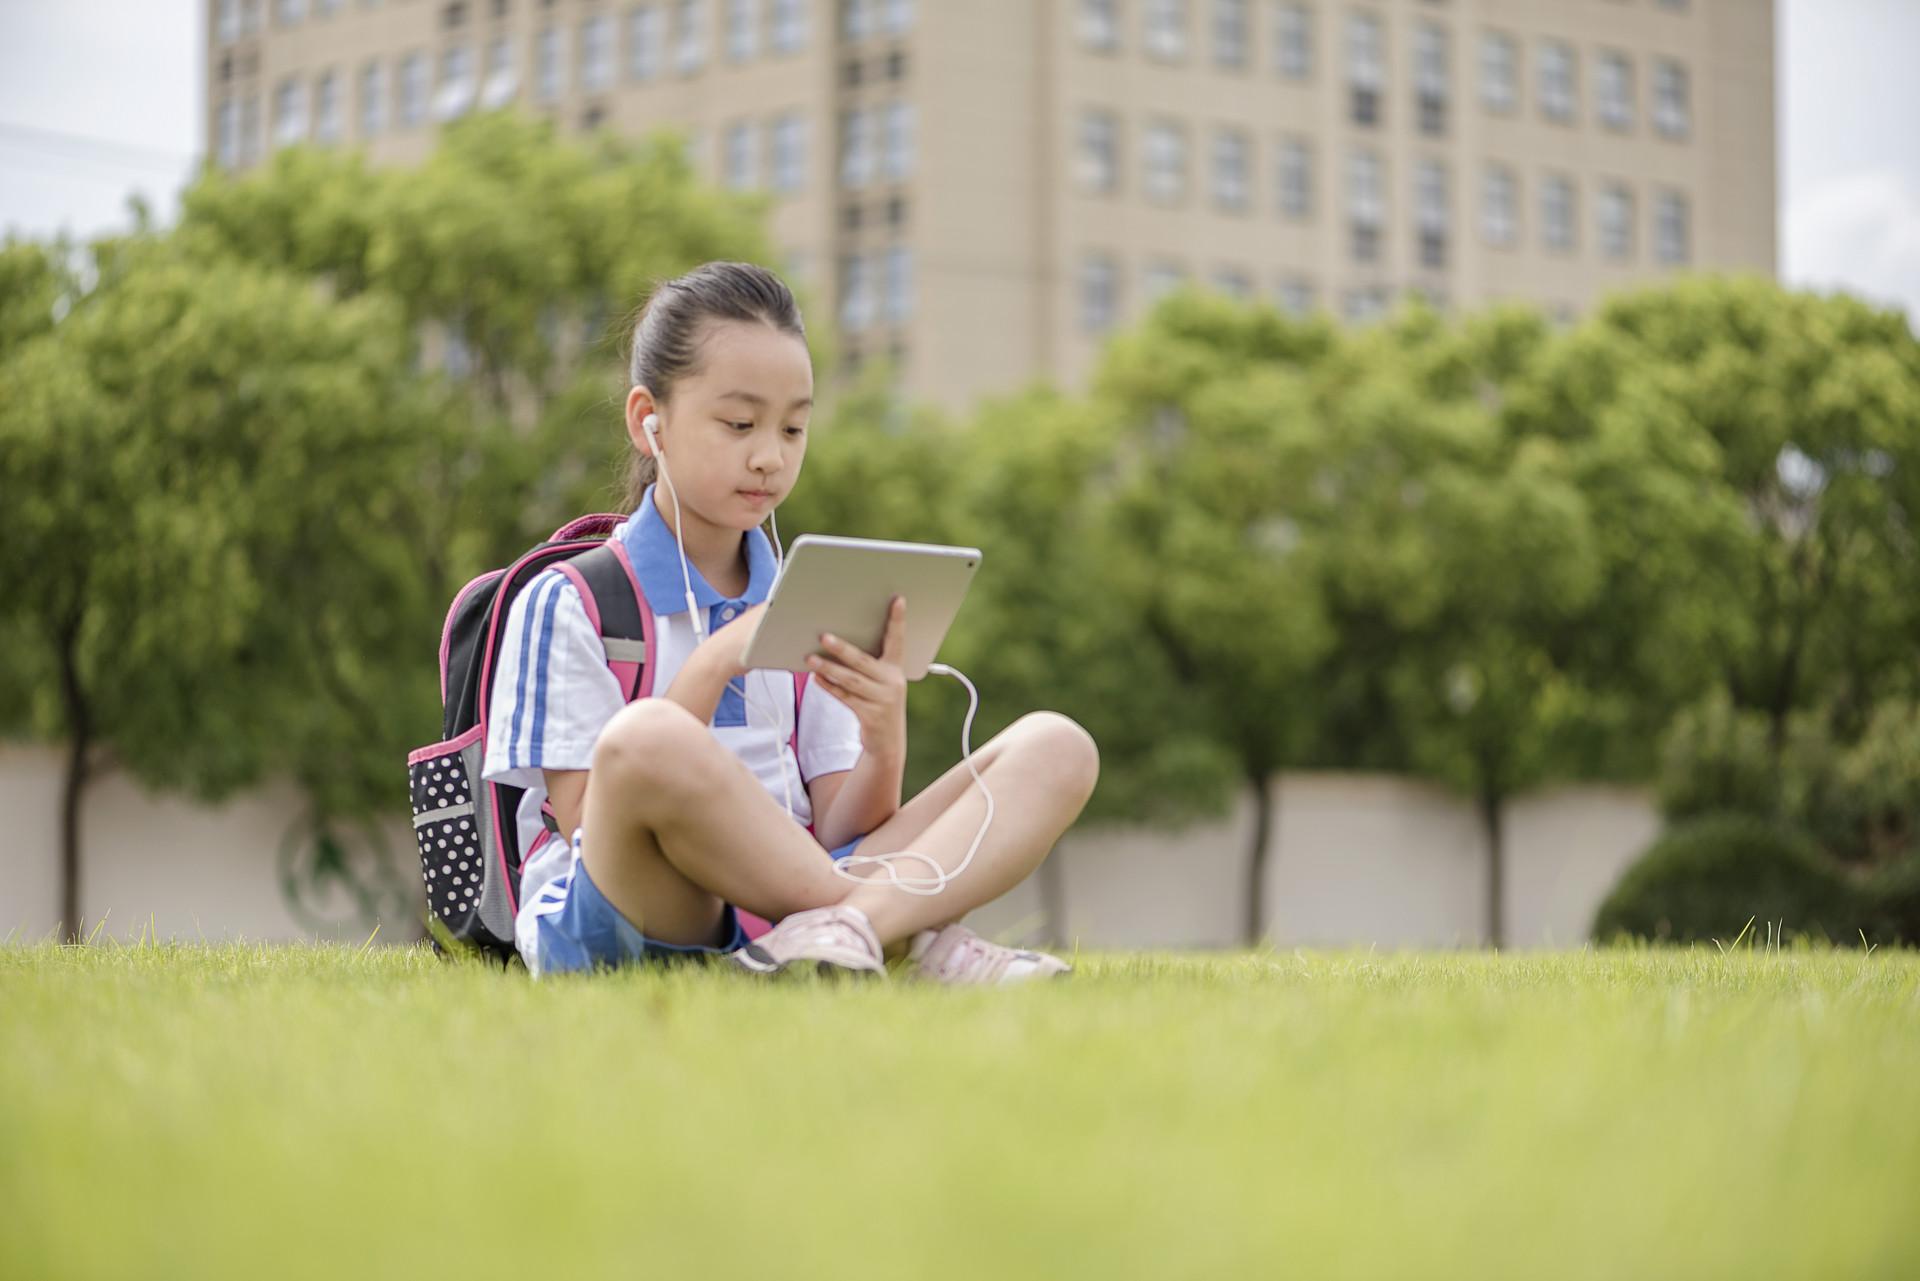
(650, 740)
(1063, 745)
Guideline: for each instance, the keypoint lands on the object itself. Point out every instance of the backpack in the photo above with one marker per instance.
(468, 829)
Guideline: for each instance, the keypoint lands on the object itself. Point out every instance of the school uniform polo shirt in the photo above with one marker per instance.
(554, 692)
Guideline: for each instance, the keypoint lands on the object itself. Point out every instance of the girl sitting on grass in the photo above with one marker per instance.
(677, 802)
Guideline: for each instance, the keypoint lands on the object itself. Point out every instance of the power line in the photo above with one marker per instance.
(96, 150)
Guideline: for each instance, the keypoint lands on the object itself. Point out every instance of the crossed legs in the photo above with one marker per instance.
(676, 827)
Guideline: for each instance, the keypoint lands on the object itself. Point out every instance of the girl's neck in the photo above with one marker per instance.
(718, 552)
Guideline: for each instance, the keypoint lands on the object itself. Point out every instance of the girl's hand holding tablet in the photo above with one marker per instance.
(729, 642)
(873, 688)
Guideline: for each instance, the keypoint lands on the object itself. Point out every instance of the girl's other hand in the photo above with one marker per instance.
(725, 646)
(874, 688)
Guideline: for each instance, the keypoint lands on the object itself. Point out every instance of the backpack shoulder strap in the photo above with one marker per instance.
(618, 610)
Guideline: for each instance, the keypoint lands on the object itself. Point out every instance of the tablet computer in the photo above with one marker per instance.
(844, 586)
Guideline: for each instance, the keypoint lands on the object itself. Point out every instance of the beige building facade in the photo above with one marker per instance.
(983, 189)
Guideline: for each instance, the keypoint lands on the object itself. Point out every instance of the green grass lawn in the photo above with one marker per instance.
(213, 1112)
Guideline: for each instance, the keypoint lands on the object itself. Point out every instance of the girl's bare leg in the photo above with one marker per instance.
(677, 826)
(1041, 770)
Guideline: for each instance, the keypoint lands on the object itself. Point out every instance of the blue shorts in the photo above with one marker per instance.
(576, 928)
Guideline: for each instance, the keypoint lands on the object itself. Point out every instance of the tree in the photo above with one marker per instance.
(1216, 408)
(210, 536)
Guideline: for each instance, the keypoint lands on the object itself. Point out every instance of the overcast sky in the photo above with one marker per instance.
(101, 98)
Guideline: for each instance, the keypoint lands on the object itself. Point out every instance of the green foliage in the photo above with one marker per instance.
(213, 518)
(1706, 878)
(1874, 798)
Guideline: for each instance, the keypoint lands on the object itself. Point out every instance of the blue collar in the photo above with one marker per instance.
(656, 563)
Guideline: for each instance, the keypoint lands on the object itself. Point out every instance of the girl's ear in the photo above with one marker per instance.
(640, 403)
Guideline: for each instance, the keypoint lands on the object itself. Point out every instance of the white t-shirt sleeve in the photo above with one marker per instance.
(553, 692)
(829, 734)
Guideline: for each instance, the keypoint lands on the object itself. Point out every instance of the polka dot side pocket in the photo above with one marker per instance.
(447, 826)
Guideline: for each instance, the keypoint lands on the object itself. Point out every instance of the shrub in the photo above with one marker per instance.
(1706, 878)
(1875, 796)
(1895, 890)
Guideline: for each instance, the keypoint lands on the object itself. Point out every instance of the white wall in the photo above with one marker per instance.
(1352, 860)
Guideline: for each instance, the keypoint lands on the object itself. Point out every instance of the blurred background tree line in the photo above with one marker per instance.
(249, 459)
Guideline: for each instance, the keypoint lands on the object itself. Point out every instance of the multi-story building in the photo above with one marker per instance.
(984, 188)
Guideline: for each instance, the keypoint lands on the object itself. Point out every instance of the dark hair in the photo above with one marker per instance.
(672, 323)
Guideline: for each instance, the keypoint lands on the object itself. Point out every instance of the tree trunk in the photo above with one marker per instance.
(80, 739)
(1257, 857)
(1490, 815)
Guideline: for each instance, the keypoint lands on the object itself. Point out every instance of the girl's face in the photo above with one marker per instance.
(734, 431)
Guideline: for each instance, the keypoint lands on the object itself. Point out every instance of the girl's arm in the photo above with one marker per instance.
(853, 802)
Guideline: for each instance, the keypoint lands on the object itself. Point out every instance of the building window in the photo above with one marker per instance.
(896, 285)
(787, 145)
(646, 43)
(1366, 205)
(456, 84)
(226, 29)
(856, 294)
(736, 162)
(596, 54)
(548, 75)
(1499, 72)
(1166, 29)
(1557, 216)
(289, 13)
(1670, 237)
(1364, 305)
(743, 29)
(289, 113)
(1165, 166)
(249, 129)
(502, 78)
(1162, 277)
(1670, 112)
(856, 148)
(1616, 221)
(1292, 40)
(1499, 207)
(1557, 88)
(856, 19)
(1100, 25)
(1366, 67)
(1431, 82)
(896, 17)
(1235, 282)
(1294, 295)
(1613, 90)
(373, 100)
(1232, 159)
(1430, 212)
(326, 108)
(413, 90)
(689, 37)
(1098, 169)
(789, 34)
(226, 133)
(896, 141)
(1230, 34)
(1293, 170)
(1099, 293)
(326, 8)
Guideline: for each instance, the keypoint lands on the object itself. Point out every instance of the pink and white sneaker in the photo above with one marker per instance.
(836, 940)
(956, 955)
